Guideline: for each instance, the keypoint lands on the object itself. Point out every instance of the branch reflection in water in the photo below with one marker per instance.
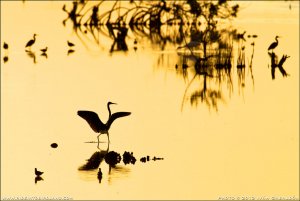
(200, 32)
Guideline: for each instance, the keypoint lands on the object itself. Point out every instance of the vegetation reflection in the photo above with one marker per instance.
(207, 45)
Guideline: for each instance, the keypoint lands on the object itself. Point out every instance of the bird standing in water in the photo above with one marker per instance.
(37, 173)
(44, 50)
(5, 45)
(274, 44)
(70, 44)
(31, 42)
(96, 124)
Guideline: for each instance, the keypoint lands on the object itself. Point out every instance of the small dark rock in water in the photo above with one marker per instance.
(54, 145)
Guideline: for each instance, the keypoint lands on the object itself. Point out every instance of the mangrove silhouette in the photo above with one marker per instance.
(206, 43)
(275, 64)
(161, 22)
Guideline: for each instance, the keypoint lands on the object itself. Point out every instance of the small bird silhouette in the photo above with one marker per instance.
(96, 124)
(70, 44)
(274, 44)
(37, 173)
(44, 50)
(5, 45)
(31, 42)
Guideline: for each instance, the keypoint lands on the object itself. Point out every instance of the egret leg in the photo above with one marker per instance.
(98, 140)
(108, 137)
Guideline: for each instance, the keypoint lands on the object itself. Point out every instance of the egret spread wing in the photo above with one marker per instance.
(93, 120)
(116, 115)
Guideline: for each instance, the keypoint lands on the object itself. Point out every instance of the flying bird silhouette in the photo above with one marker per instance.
(96, 124)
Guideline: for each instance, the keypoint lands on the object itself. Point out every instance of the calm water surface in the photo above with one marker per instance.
(249, 146)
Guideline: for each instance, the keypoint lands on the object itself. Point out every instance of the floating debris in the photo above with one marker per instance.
(128, 158)
(147, 158)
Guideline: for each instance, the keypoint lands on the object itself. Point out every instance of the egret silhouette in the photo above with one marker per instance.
(274, 44)
(96, 124)
(37, 173)
(31, 42)
(5, 45)
(70, 44)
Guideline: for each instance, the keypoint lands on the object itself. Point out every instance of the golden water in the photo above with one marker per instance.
(249, 147)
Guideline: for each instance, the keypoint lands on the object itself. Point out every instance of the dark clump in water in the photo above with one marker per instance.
(128, 158)
(99, 175)
(54, 145)
(147, 158)
(93, 162)
(112, 158)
